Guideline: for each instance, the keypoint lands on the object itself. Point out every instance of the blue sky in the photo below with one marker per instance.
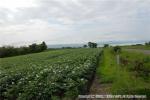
(73, 21)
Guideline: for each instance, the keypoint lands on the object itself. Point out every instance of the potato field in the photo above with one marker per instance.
(57, 74)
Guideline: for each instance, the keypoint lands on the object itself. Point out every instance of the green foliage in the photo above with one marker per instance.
(92, 45)
(124, 80)
(106, 45)
(84, 46)
(117, 49)
(43, 46)
(12, 51)
(143, 47)
(108, 68)
(138, 62)
(47, 75)
(147, 43)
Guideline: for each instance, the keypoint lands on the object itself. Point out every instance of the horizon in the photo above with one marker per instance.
(23, 22)
(99, 43)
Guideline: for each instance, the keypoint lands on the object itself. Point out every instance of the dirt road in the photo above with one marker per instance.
(99, 88)
(139, 50)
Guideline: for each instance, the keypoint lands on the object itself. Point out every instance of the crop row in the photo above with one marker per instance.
(58, 74)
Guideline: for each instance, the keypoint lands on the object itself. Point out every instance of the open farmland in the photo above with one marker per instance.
(131, 76)
(48, 75)
(139, 47)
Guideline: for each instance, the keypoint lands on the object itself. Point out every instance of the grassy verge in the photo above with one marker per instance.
(108, 67)
(124, 80)
(143, 47)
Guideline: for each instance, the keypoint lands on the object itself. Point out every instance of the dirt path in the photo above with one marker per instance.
(139, 50)
(99, 88)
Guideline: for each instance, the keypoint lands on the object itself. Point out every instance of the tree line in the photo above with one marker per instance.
(90, 45)
(8, 51)
(147, 43)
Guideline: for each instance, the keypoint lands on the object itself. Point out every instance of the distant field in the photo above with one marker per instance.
(132, 76)
(47, 75)
(137, 47)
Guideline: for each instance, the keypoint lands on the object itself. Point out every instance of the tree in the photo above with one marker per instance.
(147, 43)
(84, 46)
(95, 45)
(7, 51)
(33, 47)
(23, 50)
(43, 46)
(92, 45)
(106, 45)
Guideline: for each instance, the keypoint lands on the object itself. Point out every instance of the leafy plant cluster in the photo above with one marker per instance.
(48, 75)
(116, 49)
(141, 66)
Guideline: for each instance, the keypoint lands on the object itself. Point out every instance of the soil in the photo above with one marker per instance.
(99, 88)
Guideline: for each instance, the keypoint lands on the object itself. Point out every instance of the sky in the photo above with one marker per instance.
(24, 22)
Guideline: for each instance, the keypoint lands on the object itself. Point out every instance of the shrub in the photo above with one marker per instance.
(106, 45)
(117, 49)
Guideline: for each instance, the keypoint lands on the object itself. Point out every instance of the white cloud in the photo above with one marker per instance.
(80, 20)
(13, 4)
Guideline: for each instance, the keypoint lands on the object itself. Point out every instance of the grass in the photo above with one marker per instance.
(107, 69)
(134, 58)
(143, 47)
(122, 79)
(134, 55)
